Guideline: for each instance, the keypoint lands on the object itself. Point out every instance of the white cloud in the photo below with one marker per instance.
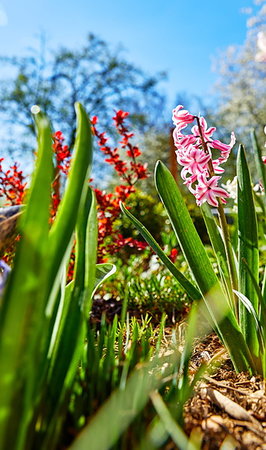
(246, 10)
(3, 17)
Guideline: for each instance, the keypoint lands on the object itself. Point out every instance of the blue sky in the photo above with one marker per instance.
(181, 37)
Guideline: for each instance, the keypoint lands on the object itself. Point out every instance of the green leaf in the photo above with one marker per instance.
(247, 248)
(21, 319)
(201, 268)
(70, 342)
(188, 287)
(174, 430)
(254, 316)
(61, 234)
(185, 231)
(217, 244)
(103, 271)
(263, 291)
(64, 224)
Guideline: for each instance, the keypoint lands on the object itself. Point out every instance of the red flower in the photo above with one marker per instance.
(12, 184)
(173, 255)
(120, 116)
(94, 120)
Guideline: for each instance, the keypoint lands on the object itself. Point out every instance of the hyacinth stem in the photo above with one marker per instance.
(225, 231)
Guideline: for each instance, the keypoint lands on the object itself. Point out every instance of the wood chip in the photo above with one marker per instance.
(230, 407)
(214, 423)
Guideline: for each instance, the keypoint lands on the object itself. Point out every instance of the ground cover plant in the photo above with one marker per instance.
(47, 322)
(88, 379)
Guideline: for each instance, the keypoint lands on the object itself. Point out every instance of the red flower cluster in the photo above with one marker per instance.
(108, 213)
(12, 188)
(108, 203)
(62, 152)
(63, 159)
(130, 171)
(12, 184)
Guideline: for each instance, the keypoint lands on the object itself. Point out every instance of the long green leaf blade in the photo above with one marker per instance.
(191, 290)
(217, 243)
(247, 248)
(66, 218)
(185, 231)
(201, 267)
(103, 271)
(171, 426)
(24, 301)
(70, 342)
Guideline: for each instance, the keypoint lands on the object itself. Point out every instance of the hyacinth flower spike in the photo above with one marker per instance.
(201, 173)
(208, 190)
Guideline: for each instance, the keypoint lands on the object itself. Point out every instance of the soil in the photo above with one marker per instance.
(112, 307)
(228, 410)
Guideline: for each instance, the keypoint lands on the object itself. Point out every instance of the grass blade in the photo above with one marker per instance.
(171, 426)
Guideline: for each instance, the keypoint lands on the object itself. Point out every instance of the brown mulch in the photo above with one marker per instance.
(227, 408)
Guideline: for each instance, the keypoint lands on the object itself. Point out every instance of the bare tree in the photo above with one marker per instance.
(95, 75)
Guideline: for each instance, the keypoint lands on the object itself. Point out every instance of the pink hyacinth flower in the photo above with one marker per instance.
(195, 161)
(205, 131)
(224, 148)
(183, 141)
(181, 118)
(208, 191)
(216, 166)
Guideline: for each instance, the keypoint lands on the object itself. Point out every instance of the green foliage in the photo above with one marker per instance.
(58, 368)
(183, 281)
(246, 353)
(146, 287)
(144, 375)
(42, 321)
